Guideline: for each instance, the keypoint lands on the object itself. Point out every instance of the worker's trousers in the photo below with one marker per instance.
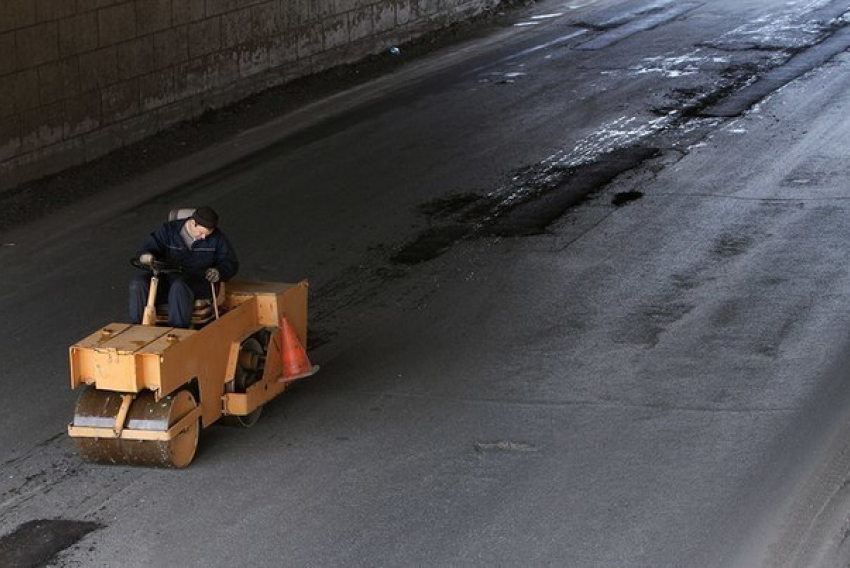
(171, 288)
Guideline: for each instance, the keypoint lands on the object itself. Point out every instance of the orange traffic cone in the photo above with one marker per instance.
(295, 362)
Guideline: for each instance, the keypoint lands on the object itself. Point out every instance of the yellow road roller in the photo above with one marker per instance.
(147, 390)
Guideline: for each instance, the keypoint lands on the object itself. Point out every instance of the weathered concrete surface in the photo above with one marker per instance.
(80, 79)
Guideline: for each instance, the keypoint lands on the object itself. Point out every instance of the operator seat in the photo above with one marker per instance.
(204, 311)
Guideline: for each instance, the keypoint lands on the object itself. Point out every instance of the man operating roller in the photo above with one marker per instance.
(203, 253)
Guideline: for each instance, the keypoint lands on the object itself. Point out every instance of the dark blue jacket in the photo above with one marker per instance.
(215, 251)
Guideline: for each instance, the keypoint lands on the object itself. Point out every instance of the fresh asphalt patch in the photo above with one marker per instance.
(537, 197)
(557, 191)
(652, 20)
(740, 101)
(36, 543)
(618, 15)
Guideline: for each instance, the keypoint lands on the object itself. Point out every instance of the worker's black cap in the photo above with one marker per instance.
(206, 217)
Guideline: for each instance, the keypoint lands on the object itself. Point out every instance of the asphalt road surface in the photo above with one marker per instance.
(579, 292)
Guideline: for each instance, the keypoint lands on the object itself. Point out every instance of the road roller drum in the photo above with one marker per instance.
(101, 409)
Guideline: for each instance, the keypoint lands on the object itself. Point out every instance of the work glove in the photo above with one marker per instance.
(212, 275)
(146, 259)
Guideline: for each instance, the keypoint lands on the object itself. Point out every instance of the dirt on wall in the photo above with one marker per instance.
(33, 199)
(79, 80)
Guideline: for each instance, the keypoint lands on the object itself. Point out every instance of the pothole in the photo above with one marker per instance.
(624, 197)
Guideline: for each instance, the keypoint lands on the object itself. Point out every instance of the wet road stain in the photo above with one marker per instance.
(731, 245)
(449, 205)
(645, 327)
(38, 542)
(319, 337)
(431, 244)
(685, 282)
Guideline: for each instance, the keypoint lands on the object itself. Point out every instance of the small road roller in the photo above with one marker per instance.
(147, 390)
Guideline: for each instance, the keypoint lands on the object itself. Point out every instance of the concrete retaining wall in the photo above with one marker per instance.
(80, 78)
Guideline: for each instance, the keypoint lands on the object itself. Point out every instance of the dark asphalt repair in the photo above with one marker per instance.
(622, 29)
(617, 16)
(36, 543)
(549, 193)
(538, 197)
(740, 101)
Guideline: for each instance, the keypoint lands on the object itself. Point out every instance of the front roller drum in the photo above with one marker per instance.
(99, 409)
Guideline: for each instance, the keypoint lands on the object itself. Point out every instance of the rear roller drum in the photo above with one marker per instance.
(99, 409)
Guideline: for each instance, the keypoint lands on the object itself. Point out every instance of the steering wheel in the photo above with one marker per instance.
(156, 267)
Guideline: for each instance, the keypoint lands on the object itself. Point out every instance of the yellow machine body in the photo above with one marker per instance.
(127, 364)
